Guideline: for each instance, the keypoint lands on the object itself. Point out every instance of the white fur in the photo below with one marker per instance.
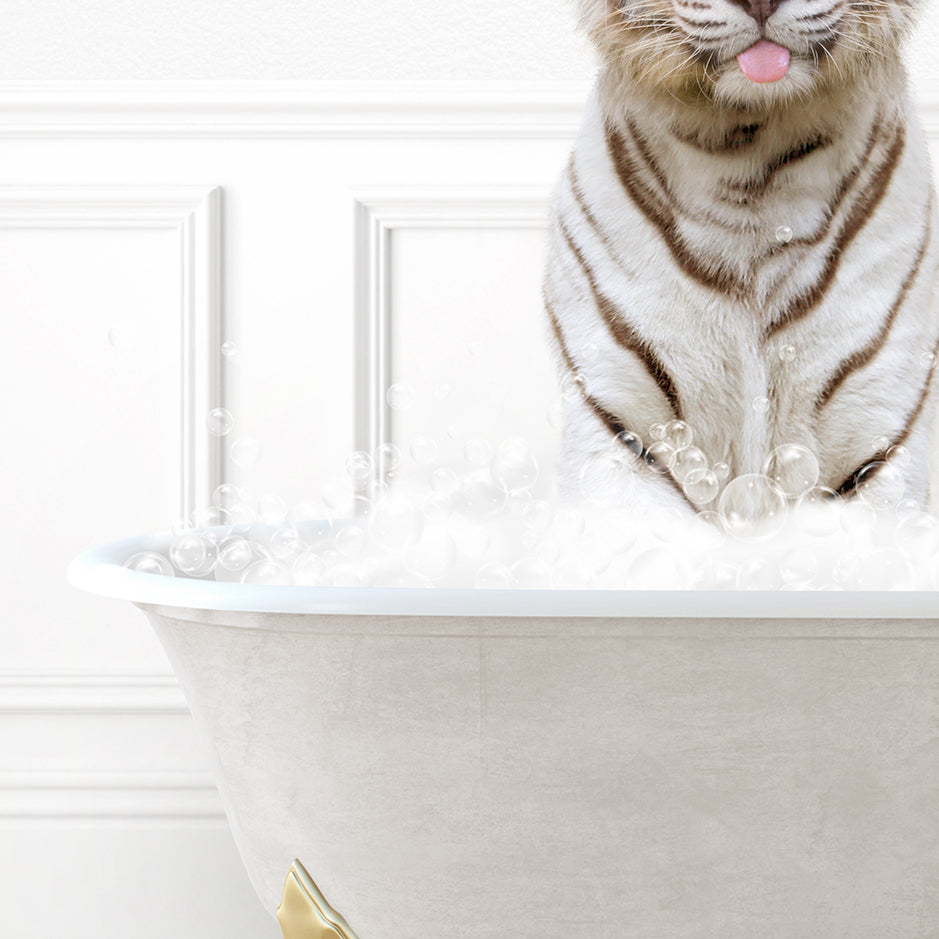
(714, 346)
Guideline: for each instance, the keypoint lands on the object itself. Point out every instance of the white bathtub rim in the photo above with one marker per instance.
(100, 570)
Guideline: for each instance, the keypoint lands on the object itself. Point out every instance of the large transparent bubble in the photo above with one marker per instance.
(751, 507)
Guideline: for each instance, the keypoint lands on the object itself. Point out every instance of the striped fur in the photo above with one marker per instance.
(669, 294)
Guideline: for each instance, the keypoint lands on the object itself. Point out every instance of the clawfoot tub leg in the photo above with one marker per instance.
(304, 913)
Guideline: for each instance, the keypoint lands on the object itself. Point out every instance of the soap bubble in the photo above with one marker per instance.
(494, 576)
(880, 485)
(351, 541)
(474, 541)
(359, 467)
(601, 481)
(423, 450)
(787, 353)
(219, 422)
(819, 511)
(387, 457)
(899, 457)
(181, 525)
(444, 481)
(657, 432)
(482, 496)
(477, 452)
(272, 509)
(531, 574)
(589, 352)
(678, 434)
(799, 567)
(235, 554)
(858, 519)
(784, 234)
(721, 471)
(149, 562)
(687, 461)
(348, 575)
(395, 524)
(266, 573)
(213, 517)
(434, 555)
(573, 575)
(538, 515)
(514, 465)
(885, 570)
(569, 524)
(231, 351)
(628, 441)
(761, 404)
(880, 443)
(573, 386)
(918, 535)
(309, 570)
(793, 469)
(437, 507)
(286, 543)
(701, 486)
(662, 456)
(759, 574)
(927, 361)
(400, 396)
(246, 451)
(751, 507)
(192, 554)
(228, 495)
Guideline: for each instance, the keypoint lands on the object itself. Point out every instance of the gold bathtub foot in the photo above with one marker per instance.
(304, 913)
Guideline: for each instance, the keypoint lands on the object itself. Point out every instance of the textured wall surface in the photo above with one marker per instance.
(292, 39)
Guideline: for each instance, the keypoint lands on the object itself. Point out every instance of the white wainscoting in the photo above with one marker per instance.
(342, 236)
(106, 794)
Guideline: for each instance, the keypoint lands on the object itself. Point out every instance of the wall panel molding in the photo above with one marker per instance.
(194, 213)
(74, 693)
(378, 214)
(274, 109)
(128, 797)
(83, 705)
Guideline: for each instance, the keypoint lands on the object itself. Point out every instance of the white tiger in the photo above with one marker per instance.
(745, 240)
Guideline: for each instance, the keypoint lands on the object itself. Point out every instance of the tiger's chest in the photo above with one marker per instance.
(778, 293)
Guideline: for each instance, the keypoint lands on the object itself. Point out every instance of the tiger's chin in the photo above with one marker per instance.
(730, 87)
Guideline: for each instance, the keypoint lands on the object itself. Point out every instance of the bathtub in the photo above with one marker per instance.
(550, 764)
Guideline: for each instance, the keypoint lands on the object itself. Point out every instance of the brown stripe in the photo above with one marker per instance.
(622, 332)
(703, 24)
(674, 203)
(860, 212)
(844, 187)
(581, 201)
(737, 138)
(663, 218)
(848, 487)
(613, 424)
(860, 358)
(756, 186)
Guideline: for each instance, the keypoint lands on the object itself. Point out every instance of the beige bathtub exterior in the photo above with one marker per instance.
(546, 778)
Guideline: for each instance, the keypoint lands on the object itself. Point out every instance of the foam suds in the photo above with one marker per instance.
(423, 521)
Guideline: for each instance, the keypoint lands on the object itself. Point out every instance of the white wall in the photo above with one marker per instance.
(170, 215)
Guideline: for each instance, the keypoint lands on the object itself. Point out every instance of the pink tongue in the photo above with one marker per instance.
(764, 61)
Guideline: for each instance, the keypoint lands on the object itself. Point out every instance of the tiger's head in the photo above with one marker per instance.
(748, 53)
